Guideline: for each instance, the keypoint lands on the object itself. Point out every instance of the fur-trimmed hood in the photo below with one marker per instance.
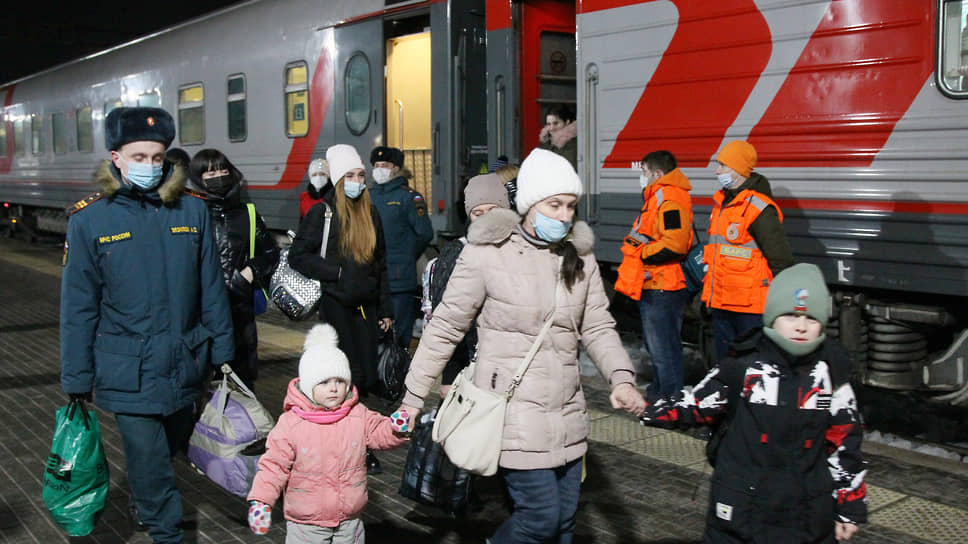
(497, 225)
(108, 182)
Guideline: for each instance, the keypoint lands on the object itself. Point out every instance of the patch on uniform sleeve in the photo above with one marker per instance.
(64, 263)
(419, 203)
(82, 203)
(672, 220)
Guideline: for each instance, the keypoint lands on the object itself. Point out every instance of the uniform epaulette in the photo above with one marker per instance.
(195, 194)
(82, 203)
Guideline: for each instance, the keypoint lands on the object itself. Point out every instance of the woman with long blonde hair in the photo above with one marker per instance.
(352, 270)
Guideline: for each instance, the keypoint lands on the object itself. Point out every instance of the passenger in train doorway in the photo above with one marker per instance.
(145, 317)
(483, 194)
(248, 257)
(407, 230)
(787, 447)
(318, 178)
(560, 133)
(352, 269)
(513, 275)
(651, 272)
(747, 245)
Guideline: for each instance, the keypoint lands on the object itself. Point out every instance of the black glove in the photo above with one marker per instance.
(87, 397)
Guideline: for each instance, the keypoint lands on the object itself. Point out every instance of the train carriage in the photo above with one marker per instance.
(857, 108)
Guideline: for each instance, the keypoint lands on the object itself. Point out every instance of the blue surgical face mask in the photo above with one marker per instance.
(145, 176)
(725, 180)
(548, 229)
(643, 181)
(353, 189)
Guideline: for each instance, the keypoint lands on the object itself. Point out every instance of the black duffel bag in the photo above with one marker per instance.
(393, 363)
(429, 477)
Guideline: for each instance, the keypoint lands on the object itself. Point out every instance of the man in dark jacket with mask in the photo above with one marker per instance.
(144, 312)
(407, 230)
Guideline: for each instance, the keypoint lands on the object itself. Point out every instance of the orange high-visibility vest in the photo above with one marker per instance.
(632, 272)
(739, 275)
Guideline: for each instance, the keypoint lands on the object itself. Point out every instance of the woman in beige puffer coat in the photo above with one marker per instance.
(506, 277)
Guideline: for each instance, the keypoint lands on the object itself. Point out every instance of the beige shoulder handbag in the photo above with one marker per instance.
(470, 421)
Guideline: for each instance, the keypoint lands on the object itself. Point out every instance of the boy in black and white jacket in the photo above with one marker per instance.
(788, 465)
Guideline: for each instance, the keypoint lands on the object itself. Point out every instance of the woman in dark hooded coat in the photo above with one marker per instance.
(214, 179)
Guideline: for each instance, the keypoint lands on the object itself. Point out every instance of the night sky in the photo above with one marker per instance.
(35, 35)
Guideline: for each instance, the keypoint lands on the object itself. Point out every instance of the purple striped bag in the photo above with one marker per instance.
(232, 421)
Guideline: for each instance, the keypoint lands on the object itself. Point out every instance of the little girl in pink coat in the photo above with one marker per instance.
(316, 452)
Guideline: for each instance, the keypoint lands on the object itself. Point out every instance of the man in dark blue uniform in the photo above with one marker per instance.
(407, 230)
(144, 311)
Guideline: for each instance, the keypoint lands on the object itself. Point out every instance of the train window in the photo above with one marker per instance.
(149, 99)
(191, 114)
(3, 139)
(18, 137)
(235, 95)
(357, 92)
(297, 99)
(953, 55)
(85, 130)
(36, 134)
(111, 104)
(58, 126)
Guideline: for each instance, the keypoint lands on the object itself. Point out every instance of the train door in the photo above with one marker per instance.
(458, 112)
(409, 96)
(358, 99)
(531, 69)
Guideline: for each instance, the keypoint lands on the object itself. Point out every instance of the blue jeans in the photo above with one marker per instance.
(545, 503)
(150, 442)
(728, 325)
(661, 313)
(404, 314)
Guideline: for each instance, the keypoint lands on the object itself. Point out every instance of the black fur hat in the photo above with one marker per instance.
(388, 154)
(126, 125)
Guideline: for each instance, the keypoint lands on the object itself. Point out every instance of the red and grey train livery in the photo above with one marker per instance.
(858, 110)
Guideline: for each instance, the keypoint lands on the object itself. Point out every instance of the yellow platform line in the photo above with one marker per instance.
(44, 266)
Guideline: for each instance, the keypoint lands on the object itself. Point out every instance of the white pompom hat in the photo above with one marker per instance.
(342, 158)
(545, 173)
(322, 359)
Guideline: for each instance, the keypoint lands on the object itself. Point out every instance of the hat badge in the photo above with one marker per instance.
(800, 300)
(150, 121)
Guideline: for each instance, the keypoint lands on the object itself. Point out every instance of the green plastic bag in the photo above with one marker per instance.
(76, 477)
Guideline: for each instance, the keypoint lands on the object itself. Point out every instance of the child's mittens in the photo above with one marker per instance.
(400, 421)
(260, 517)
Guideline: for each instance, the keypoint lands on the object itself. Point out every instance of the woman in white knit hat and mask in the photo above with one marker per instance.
(318, 182)
(353, 272)
(512, 274)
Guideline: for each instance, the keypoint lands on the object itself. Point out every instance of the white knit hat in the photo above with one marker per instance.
(545, 173)
(322, 359)
(342, 158)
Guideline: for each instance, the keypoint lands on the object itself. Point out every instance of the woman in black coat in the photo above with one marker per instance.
(220, 184)
(356, 295)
